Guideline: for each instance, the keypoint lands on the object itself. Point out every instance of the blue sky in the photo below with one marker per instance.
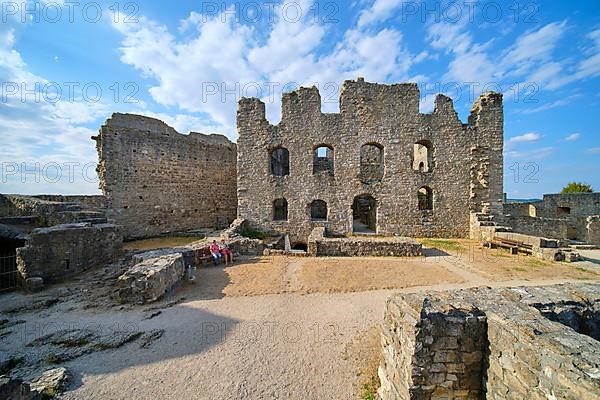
(66, 66)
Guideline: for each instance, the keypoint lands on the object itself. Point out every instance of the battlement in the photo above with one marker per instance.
(358, 96)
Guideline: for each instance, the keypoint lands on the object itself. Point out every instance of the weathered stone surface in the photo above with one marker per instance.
(65, 250)
(593, 229)
(34, 284)
(504, 349)
(150, 279)
(51, 383)
(320, 245)
(464, 173)
(157, 180)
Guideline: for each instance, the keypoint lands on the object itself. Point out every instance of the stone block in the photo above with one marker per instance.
(150, 279)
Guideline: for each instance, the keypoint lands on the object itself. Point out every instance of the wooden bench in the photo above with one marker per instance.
(513, 245)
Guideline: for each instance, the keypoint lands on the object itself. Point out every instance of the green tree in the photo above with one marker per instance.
(577, 187)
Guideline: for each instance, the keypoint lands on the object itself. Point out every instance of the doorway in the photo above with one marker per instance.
(364, 214)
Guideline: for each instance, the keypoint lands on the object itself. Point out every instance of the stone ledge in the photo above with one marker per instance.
(360, 246)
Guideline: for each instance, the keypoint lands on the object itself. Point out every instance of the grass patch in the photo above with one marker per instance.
(520, 269)
(442, 244)
(534, 262)
(54, 359)
(369, 389)
(252, 234)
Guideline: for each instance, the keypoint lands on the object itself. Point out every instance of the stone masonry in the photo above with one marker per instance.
(392, 168)
(157, 180)
(515, 343)
(64, 250)
(560, 216)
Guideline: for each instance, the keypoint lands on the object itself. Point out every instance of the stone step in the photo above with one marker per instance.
(583, 246)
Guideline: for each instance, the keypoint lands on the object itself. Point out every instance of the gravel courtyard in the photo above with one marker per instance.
(262, 328)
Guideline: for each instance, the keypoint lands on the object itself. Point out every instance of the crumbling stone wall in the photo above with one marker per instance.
(465, 173)
(490, 343)
(561, 216)
(65, 250)
(157, 180)
(593, 229)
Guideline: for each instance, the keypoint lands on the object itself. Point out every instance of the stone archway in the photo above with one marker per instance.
(364, 214)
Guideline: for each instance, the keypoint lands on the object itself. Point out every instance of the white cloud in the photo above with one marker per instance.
(593, 150)
(530, 155)
(379, 11)
(527, 137)
(572, 137)
(38, 136)
(211, 68)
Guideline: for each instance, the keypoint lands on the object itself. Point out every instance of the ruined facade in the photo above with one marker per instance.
(157, 180)
(379, 165)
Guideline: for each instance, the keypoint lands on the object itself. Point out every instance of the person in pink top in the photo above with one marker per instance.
(215, 252)
(226, 251)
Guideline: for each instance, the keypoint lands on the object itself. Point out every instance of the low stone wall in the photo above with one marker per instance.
(90, 201)
(534, 241)
(64, 250)
(550, 227)
(150, 279)
(48, 210)
(361, 246)
(492, 344)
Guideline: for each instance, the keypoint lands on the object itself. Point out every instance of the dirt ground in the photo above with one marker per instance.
(264, 327)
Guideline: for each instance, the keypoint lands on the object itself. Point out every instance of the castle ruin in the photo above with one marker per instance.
(378, 166)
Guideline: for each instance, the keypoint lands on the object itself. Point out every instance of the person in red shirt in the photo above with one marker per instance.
(215, 252)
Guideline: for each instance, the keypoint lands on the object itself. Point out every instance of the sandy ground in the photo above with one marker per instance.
(262, 328)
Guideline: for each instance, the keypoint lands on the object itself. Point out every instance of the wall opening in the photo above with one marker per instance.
(563, 211)
(425, 198)
(371, 163)
(423, 156)
(280, 161)
(318, 210)
(299, 246)
(280, 210)
(323, 160)
(9, 275)
(583, 318)
(572, 233)
(364, 214)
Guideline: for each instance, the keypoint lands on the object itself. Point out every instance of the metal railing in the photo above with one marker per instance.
(8, 273)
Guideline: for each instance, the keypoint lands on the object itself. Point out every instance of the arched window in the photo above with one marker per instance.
(280, 210)
(318, 210)
(371, 163)
(323, 159)
(425, 198)
(423, 156)
(280, 161)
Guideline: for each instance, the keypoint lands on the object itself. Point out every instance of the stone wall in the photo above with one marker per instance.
(157, 180)
(45, 211)
(493, 344)
(465, 172)
(548, 227)
(561, 216)
(322, 246)
(64, 250)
